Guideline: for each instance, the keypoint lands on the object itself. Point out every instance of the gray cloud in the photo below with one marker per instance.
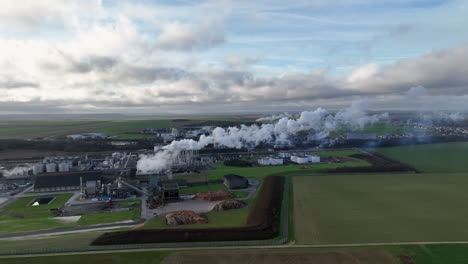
(186, 37)
(7, 82)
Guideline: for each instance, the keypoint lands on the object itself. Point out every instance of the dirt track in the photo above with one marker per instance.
(324, 257)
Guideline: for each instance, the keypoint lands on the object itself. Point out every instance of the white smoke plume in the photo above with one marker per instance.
(275, 117)
(320, 120)
(15, 172)
(443, 116)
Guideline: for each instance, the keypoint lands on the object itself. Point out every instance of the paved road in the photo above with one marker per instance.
(71, 229)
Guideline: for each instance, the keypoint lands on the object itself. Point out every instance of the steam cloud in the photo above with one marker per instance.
(15, 172)
(275, 117)
(320, 121)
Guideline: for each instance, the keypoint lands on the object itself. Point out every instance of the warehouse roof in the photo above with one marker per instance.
(63, 179)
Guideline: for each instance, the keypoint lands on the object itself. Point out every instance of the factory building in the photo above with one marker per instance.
(66, 181)
(303, 159)
(89, 136)
(300, 159)
(314, 159)
(270, 161)
(233, 181)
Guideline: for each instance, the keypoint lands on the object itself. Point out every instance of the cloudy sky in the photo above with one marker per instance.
(197, 57)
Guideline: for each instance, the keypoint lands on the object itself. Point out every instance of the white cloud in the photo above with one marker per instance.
(107, 59)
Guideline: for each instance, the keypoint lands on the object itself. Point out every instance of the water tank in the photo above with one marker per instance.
(63, 167)
(38, 168)
(51, 167)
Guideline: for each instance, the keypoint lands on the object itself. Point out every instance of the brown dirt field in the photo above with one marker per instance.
(371, 256)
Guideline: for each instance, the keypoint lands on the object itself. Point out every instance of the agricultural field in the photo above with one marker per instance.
(421, 254)
(438, 158)
(122, 129)
(382, 129)
(261, 172)
(154, 257)
(368, 208)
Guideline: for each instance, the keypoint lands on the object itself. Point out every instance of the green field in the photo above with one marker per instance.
(202, 188)
(440, 158)
(422, 254)
(260, 172)
(110, 258)
(371, 208)
(123, 129)
(20, 216)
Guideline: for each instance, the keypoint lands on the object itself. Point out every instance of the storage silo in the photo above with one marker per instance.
(38, 168)
(63, 167)
(51, 167)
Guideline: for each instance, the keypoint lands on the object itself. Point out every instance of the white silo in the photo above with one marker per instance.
(38, 168)
(51, 167)
(63, 167)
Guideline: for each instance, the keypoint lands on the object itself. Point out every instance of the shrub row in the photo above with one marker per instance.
(263, 222)
(238, 163)
(379, 163)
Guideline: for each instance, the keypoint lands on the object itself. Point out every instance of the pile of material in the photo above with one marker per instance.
(184, 218)
(229, 205)
(214, 196)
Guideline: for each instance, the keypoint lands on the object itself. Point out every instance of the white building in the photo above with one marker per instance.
(270, 161)
(314, 159)
(284, 154)
(300, 159)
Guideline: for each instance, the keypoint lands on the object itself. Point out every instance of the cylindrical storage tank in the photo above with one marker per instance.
(63, 167)
(38, 168)
(51, 167)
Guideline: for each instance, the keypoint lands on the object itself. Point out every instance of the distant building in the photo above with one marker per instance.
(300, 159)
(89, 136)
(270, 161)
(314, 159)
(66, 181)
(233, 181)
(284, 154)
(360, 135)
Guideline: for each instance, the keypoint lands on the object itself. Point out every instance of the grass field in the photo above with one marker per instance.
(19, 216)
(260, 172)
(371, 208)
(440, 158)
(202, 188)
